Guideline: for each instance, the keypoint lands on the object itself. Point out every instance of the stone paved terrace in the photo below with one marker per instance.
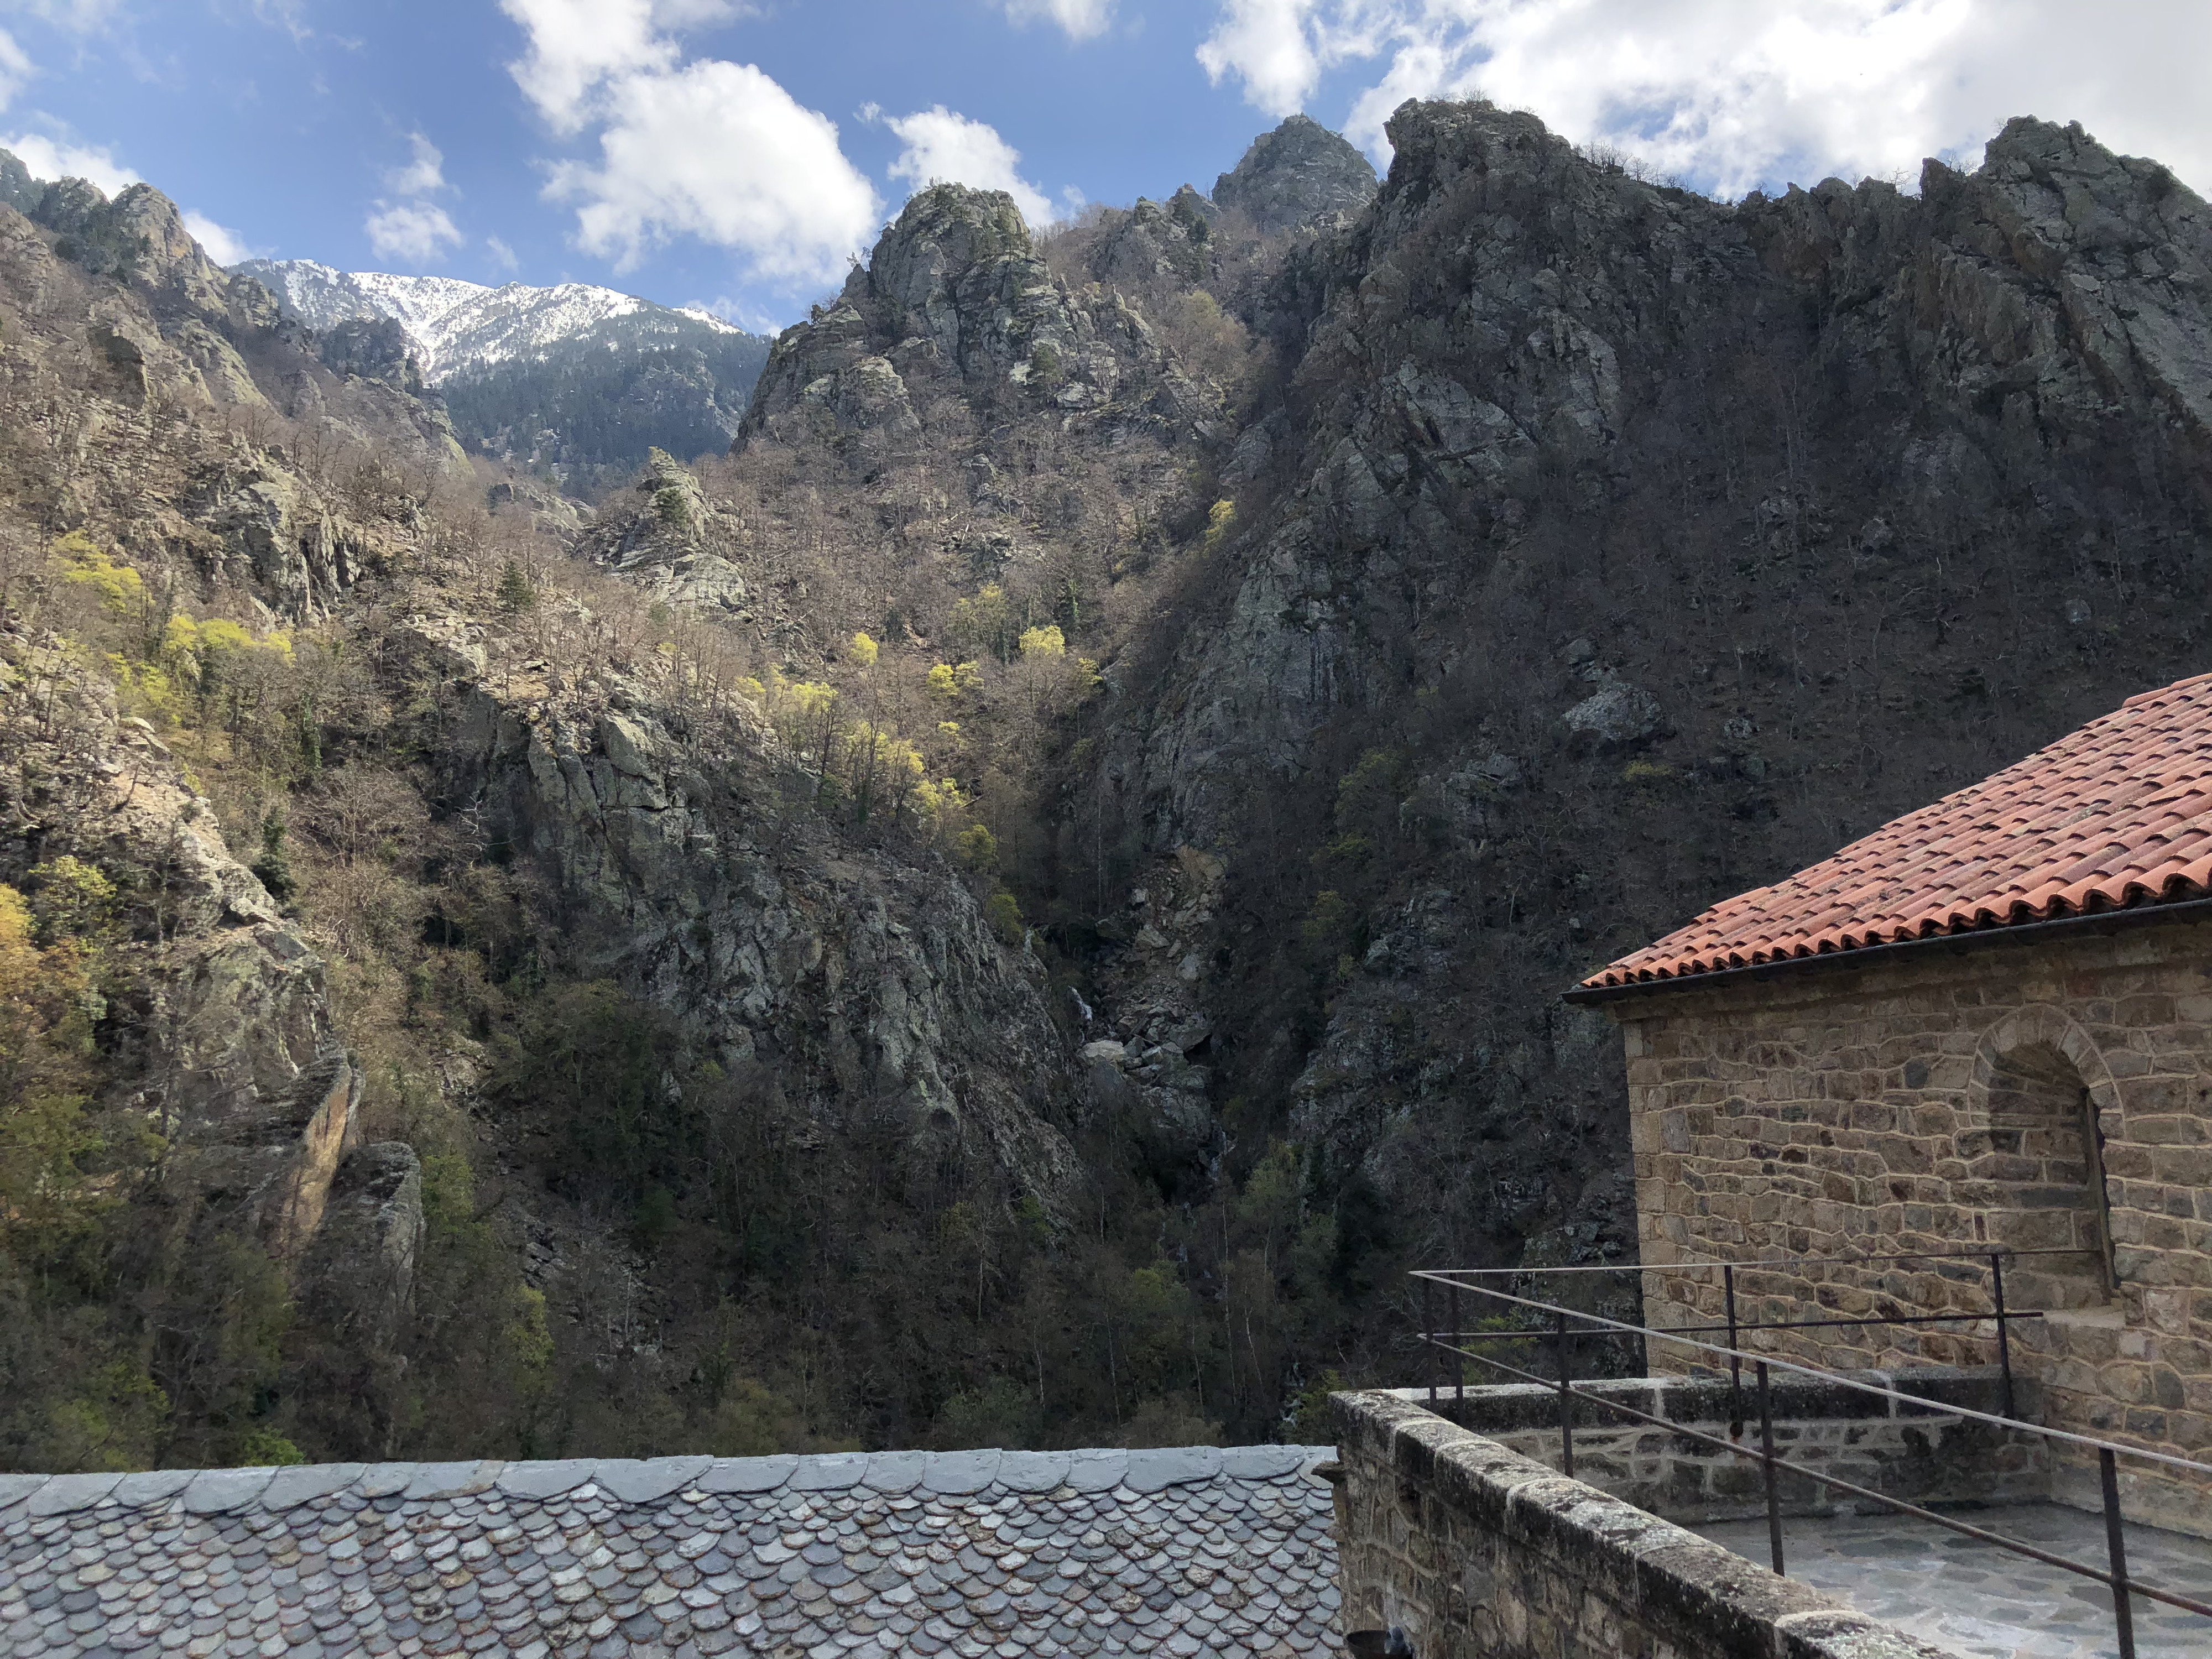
(1178, 1551)
(1978, 1602)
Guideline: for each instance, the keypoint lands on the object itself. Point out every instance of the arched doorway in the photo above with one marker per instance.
(2045, 1176)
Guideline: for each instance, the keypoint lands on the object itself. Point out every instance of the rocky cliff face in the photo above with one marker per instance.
(1027, 891)
(1615, 549)
(1298, 175)
(868, 983)
(957, 291)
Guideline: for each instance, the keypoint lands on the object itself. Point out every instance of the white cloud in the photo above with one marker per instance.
(577, 46)
(425, 175)
(942, 146)
(51, 158)
(1272, 46)
(411, 233)
(1733, 94)
(720, 151)
(16, 67)
(1082, 19)
(223, 245)
(707, 149)
(502, 256)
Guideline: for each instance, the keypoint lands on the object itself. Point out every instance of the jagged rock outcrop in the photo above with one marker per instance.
(231, 1052)
(868, 982)
(1500, 360)
(1296, 175)
(956, 290)
(684, 550)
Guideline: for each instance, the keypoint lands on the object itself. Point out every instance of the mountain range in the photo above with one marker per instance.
(456, 327)
(1009, 899)
(573, 380)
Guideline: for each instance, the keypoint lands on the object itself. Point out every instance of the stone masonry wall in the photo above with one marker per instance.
(1834, 1109)
(1477, 1553)
(1923, 1454)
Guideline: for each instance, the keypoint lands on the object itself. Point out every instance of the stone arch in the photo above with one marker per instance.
(2037, 1108)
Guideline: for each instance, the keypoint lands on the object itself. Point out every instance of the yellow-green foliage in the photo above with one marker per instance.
(950, 680)
(1043, 644)
(863, 651)
(987, 622)
(82, 562)
(1220, 519)
(1650, 775)
(1004, 912)
(73, 898)
(976, 849)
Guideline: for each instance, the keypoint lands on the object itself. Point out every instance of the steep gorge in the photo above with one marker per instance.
(1007, 909)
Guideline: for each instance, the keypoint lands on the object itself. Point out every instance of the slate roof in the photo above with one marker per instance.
(1182, 1551)
(2118, 813)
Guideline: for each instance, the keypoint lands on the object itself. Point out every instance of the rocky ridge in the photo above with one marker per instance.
(1500, 368)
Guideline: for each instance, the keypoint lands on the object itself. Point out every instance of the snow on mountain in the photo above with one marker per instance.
(457, 326)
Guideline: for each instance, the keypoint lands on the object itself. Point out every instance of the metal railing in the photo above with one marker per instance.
(1560, 1327)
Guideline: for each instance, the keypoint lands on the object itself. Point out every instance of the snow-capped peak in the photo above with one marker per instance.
(456, 325)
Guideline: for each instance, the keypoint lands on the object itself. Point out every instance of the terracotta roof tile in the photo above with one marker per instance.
(2118, 813)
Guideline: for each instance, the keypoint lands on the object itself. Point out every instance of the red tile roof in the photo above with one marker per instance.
(2117, 813)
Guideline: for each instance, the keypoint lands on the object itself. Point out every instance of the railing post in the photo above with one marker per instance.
(2116, 1545)
(1459, 1354)
(1735, 1360)
(2004, 1339)
(1429, 1336)
(1566, 1405)
(1766, 1461)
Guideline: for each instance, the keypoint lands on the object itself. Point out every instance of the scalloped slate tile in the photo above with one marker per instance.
(829, 1472)
(747, 1474)
(960, 1472)
(308, 1481)
(1171, 1466)
(152, 1486)
(629, 1480)
(544, 1480)
(840, 1553)
(894, 1471)
(1029, 1471)
(1097, 1471)
(63, 1494)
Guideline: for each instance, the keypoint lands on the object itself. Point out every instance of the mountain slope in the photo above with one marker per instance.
(580, 381)
(457, 326)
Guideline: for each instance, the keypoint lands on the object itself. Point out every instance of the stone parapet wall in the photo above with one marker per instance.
(1840, 1110)
(1478, 1552)
(1923, 1455)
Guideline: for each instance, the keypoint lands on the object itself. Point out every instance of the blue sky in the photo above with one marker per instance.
(733, 152)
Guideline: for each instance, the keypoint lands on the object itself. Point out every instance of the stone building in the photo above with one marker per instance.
(1986, 1026)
